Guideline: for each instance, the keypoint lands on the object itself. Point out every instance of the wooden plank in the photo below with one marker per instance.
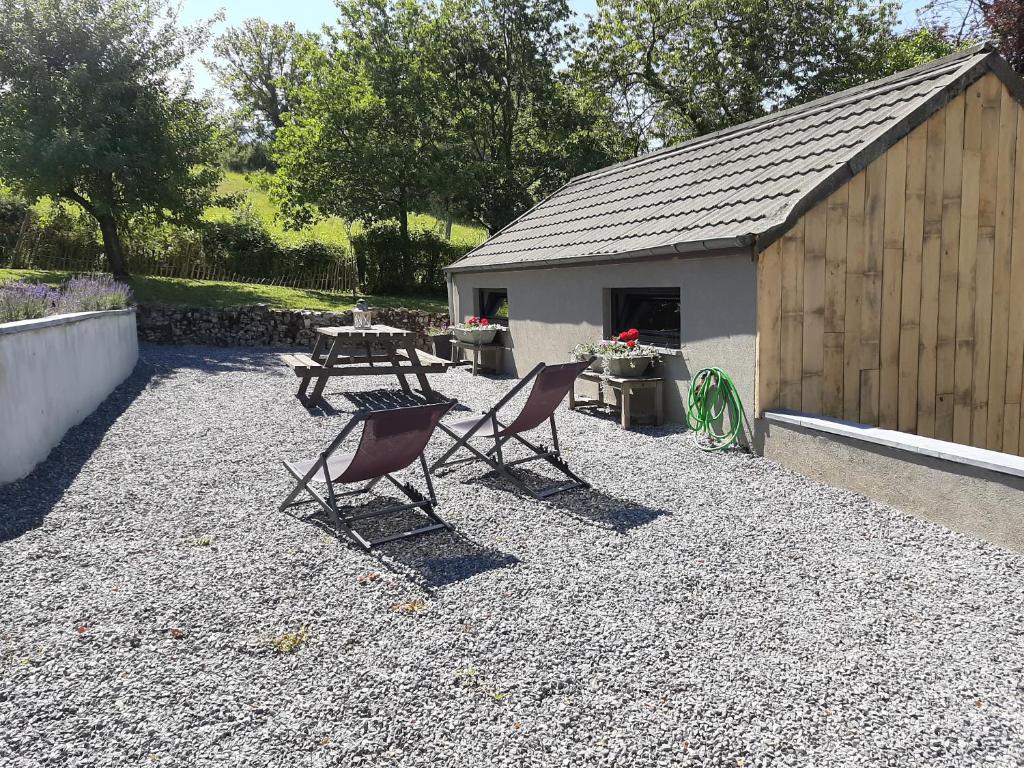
(792, 316)
(910, 296)
(869, 397)
(874, 255)
(966, 293)
(1011, 428)
(1001, 269)
(813, 365)
(835, 260)
(991, 88)
(854, 295)
(769, 318)
(832, 376)
(931, 253)
(836, 233)
(1015, 330)
(952, 192)
(892, 282)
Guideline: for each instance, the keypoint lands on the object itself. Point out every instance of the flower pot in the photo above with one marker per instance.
(627, 367)
(596, 361)
(442, 345)
(475, 335)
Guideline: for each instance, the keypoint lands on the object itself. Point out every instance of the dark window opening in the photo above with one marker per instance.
(494, 305)
(652, 311)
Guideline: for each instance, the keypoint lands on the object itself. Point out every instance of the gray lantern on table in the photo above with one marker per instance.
(362, 315)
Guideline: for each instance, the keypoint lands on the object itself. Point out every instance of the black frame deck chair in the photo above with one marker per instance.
(551, 383)
(391, 440)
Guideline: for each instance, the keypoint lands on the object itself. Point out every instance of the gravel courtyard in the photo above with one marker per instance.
(155, 609)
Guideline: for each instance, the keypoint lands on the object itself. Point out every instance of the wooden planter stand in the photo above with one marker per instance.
(625, 388)
(477, 351)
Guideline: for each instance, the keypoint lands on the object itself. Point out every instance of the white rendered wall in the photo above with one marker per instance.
(54, 372)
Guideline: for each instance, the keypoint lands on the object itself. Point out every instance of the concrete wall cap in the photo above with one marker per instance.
(979, 458)
(20, 326)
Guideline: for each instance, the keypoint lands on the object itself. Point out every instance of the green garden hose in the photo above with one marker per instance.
(712, 397)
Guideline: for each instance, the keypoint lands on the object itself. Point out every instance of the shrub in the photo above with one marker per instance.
(387, 264)
(91, 294)
(26, 301)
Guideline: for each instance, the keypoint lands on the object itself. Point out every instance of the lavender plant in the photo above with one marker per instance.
(23, 301)
(91, 294)
(20, 300)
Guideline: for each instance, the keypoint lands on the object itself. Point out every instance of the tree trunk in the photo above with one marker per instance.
(112, 246)
(403, 230)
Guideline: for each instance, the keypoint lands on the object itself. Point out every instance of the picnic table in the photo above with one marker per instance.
(396, 353)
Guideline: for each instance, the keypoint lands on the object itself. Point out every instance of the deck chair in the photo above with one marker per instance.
(551, 383)
(391, 440)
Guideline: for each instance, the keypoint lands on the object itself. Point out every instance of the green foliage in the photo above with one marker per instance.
(682, 68)
(388, 263)
(93, 109)
(459, 108)
(362, 146)
(257, 64)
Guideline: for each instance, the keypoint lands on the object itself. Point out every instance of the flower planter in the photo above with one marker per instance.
(441, 344)
(596, 361)
(627, 367)
(476, 336)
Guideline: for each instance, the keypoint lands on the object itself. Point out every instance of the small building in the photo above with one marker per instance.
(857, 258)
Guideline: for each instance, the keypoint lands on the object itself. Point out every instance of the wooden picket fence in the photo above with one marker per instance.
(38, 249)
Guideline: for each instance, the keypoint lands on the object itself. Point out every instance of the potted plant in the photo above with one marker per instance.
(441, 341)
(626, 358)
(591, 351)
(476, 330)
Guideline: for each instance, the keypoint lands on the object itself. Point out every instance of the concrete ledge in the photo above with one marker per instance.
(972, 491)
(967, 455)
(55, 371)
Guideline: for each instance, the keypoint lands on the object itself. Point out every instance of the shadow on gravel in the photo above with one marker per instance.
(25, 503)
(432, 560)
(588, 505)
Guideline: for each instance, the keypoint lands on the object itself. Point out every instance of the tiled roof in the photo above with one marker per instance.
(739, 186)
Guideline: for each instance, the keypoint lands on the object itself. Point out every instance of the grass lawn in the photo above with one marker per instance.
(211, 293)
(330, 230)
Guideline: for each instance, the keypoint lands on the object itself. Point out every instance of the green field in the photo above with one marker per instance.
(330, 230)
(210, 293)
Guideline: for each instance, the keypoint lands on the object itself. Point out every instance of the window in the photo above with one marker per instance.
(652, 311)
(493, 303)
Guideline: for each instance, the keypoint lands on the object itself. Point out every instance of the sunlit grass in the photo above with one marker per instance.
(213, 293)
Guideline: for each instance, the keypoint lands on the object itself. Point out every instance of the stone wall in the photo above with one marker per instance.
(259, 325)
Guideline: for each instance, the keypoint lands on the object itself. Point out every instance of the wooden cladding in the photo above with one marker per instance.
(899, 301)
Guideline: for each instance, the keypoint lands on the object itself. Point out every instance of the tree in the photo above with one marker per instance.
(365, 141)
(257, 64)
(522, 126)
(682, 68)
(1005, 18)
(92, 111)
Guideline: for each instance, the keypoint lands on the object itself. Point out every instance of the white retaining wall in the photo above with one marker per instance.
(54, 372)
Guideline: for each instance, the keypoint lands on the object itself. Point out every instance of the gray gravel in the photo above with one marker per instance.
(691, 610)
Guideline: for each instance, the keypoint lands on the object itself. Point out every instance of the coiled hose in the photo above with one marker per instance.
(713, 396)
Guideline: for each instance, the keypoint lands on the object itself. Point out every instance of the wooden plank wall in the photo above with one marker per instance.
(899, 301)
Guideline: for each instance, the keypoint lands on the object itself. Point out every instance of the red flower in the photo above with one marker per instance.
(631, 335)
(484, 322)
(630, 343)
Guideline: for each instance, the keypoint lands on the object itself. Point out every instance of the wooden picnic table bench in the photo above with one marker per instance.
(396, 354)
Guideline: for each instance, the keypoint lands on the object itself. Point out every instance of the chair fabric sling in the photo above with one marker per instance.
(551, 383)
(391, 440)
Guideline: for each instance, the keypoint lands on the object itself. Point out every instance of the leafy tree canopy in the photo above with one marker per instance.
(93, 109)
(257, 64)
(681, 68)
